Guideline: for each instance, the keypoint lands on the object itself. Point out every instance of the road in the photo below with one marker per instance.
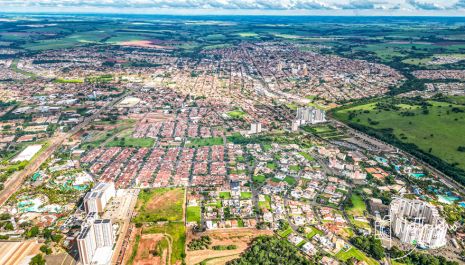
(16, 180)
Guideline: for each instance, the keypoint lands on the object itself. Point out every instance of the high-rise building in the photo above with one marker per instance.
(255, 128)
(96, 236)
(86, 245)
(417, 222)
(103, 230)
(310, 115)
(96, 199)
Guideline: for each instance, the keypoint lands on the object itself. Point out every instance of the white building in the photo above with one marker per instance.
(95, 241)
(417, 222)
(255, 128)
(310, 115)
(96, 199)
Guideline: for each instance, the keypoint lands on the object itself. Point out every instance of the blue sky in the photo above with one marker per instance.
(243, 7)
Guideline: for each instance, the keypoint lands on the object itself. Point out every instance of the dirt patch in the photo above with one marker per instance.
(144, 44)
(241, 238)
(145, 249)
(159, 201)
(147, 244)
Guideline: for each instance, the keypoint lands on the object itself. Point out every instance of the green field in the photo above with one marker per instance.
(265, 204)
(358, 207)
(313, 232)
(259, 178)
(198, 142)
(355, 253)
(225, 195)
(161, 204)
(131, 142)
(193, 214)
(246, 195)
(307, 156)
(290, 180)
(236, 114)
(438, 132)
(285, 233)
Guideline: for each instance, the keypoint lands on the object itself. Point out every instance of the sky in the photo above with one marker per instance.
(244, 7)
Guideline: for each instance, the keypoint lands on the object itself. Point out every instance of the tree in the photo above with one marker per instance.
(45, 249)
(37, 260)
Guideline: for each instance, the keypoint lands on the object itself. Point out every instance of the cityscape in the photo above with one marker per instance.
(138, 139)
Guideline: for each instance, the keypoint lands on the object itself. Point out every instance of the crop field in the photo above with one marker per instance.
(162, 204)
(439, 131)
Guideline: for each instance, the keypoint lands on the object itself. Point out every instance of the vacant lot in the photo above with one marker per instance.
(175, 233)
(238, 237)
(163, 204)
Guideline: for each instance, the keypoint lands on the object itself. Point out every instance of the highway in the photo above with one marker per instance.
(15, 181)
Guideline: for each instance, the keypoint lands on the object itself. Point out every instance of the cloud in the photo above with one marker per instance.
(425, 5)
(429, 5)
(460, 4)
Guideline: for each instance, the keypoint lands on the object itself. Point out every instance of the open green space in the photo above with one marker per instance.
(131, 142)
(199, 142)
(225, 195)
(160, 204)
(290, 180)
(193, 214)
(259, 179)
(307, 156)
(286, 232)
(265, 204)
(344, 255)
(245, 195)
(236, 114)
(358, 205)
(314, 231)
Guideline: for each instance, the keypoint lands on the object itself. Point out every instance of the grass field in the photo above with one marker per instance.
(193, 214)
(236, 114)
(355, 253)
(358, 207)
(313, 232)
(246, 195)
(162, 204)
(285, 233)
(290, 180)
(265, 204)
(259, 178)
(307, 156)
(438, 132)
(131, 142)
(225, 195)
(177, 232)
(198, 142)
